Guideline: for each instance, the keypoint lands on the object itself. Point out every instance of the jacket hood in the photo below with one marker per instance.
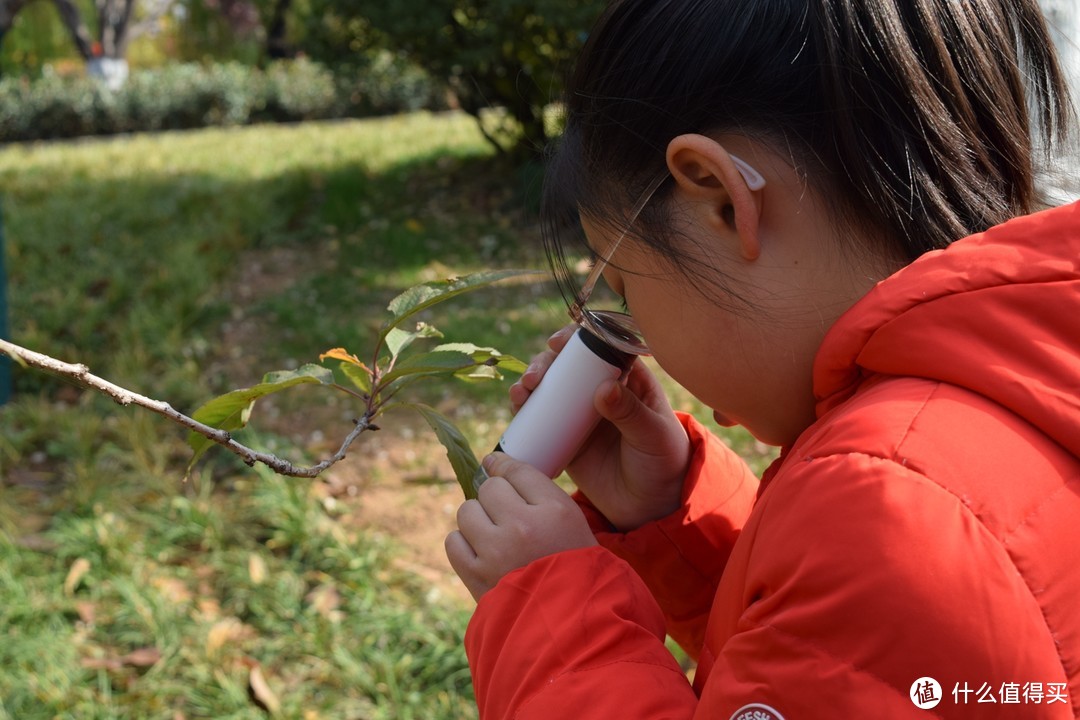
(997, 313)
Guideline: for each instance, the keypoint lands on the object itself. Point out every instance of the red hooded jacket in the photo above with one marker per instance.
(926, 529)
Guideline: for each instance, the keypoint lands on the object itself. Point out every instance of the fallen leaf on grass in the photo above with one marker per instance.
(256, 569)
(143, 657)
(87, 612)
(326, 600)
(208, 608)
(260, 693)
(173, 589)
(227, 631)
(78, 570)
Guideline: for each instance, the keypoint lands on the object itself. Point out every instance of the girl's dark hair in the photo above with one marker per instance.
(916, 114)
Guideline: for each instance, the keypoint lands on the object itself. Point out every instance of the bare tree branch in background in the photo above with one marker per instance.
(72, 19)
(152, 13)
(118, 23)
(277, 44)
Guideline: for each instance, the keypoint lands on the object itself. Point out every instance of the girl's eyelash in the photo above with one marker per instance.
(624, 306)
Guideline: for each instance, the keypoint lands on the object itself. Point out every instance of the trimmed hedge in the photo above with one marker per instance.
(191, 96)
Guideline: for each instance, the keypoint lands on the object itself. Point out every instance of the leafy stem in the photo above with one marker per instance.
(377, 386)
(80, 374)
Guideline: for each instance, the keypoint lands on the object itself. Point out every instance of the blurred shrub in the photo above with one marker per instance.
(507, 54)
(185, 96)
(387, 82)
(298, 90)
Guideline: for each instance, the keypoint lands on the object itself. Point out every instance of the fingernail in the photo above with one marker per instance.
(560, 332)
(487, 461)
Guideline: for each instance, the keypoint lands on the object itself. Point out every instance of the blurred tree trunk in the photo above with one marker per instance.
(277, 43)
(116, 23)
(73, 21)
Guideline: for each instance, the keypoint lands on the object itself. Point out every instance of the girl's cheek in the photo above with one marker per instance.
(613, 278)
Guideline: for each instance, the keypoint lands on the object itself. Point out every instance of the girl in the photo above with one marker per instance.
(819, 214)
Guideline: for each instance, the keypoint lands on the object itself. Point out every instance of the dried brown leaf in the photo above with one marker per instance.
(173, 589)
(326, 600)
(143, 657)
(343, 355)
(87, 611)
(78, 570)
(226, 632)
(256, 569)
(260, 693)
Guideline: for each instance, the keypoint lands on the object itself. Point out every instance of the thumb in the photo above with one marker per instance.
(635, 420)
(500, 464)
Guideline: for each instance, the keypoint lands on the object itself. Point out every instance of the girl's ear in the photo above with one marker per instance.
(730, 189)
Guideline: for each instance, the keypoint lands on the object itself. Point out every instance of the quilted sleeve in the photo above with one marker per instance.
(681, 557)
(574, 635)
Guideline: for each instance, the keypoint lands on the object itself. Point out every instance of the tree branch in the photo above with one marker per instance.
(81, 375)
(148, 24)
(72, 19)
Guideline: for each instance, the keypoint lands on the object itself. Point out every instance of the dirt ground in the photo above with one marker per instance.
(401, 486)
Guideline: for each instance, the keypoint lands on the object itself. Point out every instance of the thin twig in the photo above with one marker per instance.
(82, 376)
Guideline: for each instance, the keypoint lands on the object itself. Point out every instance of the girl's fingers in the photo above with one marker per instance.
(523, 480)
(639, 424)
(625, 410)
(473, 521)
(562, 336)
(644, 385)
(459, 552)
(538, 367)
(499, 498)
(463, 560)
(518, 396)
(523, 388)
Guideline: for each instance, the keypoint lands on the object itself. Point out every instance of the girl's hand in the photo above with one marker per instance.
(519, 516)
(632, 466)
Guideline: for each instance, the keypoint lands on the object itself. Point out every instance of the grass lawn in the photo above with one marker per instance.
(187, 264)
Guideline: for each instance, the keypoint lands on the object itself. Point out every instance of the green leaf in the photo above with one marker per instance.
(309, 373)
(487, 356)
(436, 362)
(358, 376)
(479, 373)
(398, 339)
(421, 297)
(461, 456)
(231, 411)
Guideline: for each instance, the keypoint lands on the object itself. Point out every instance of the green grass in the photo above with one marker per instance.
(184, 265)
(337, 633)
